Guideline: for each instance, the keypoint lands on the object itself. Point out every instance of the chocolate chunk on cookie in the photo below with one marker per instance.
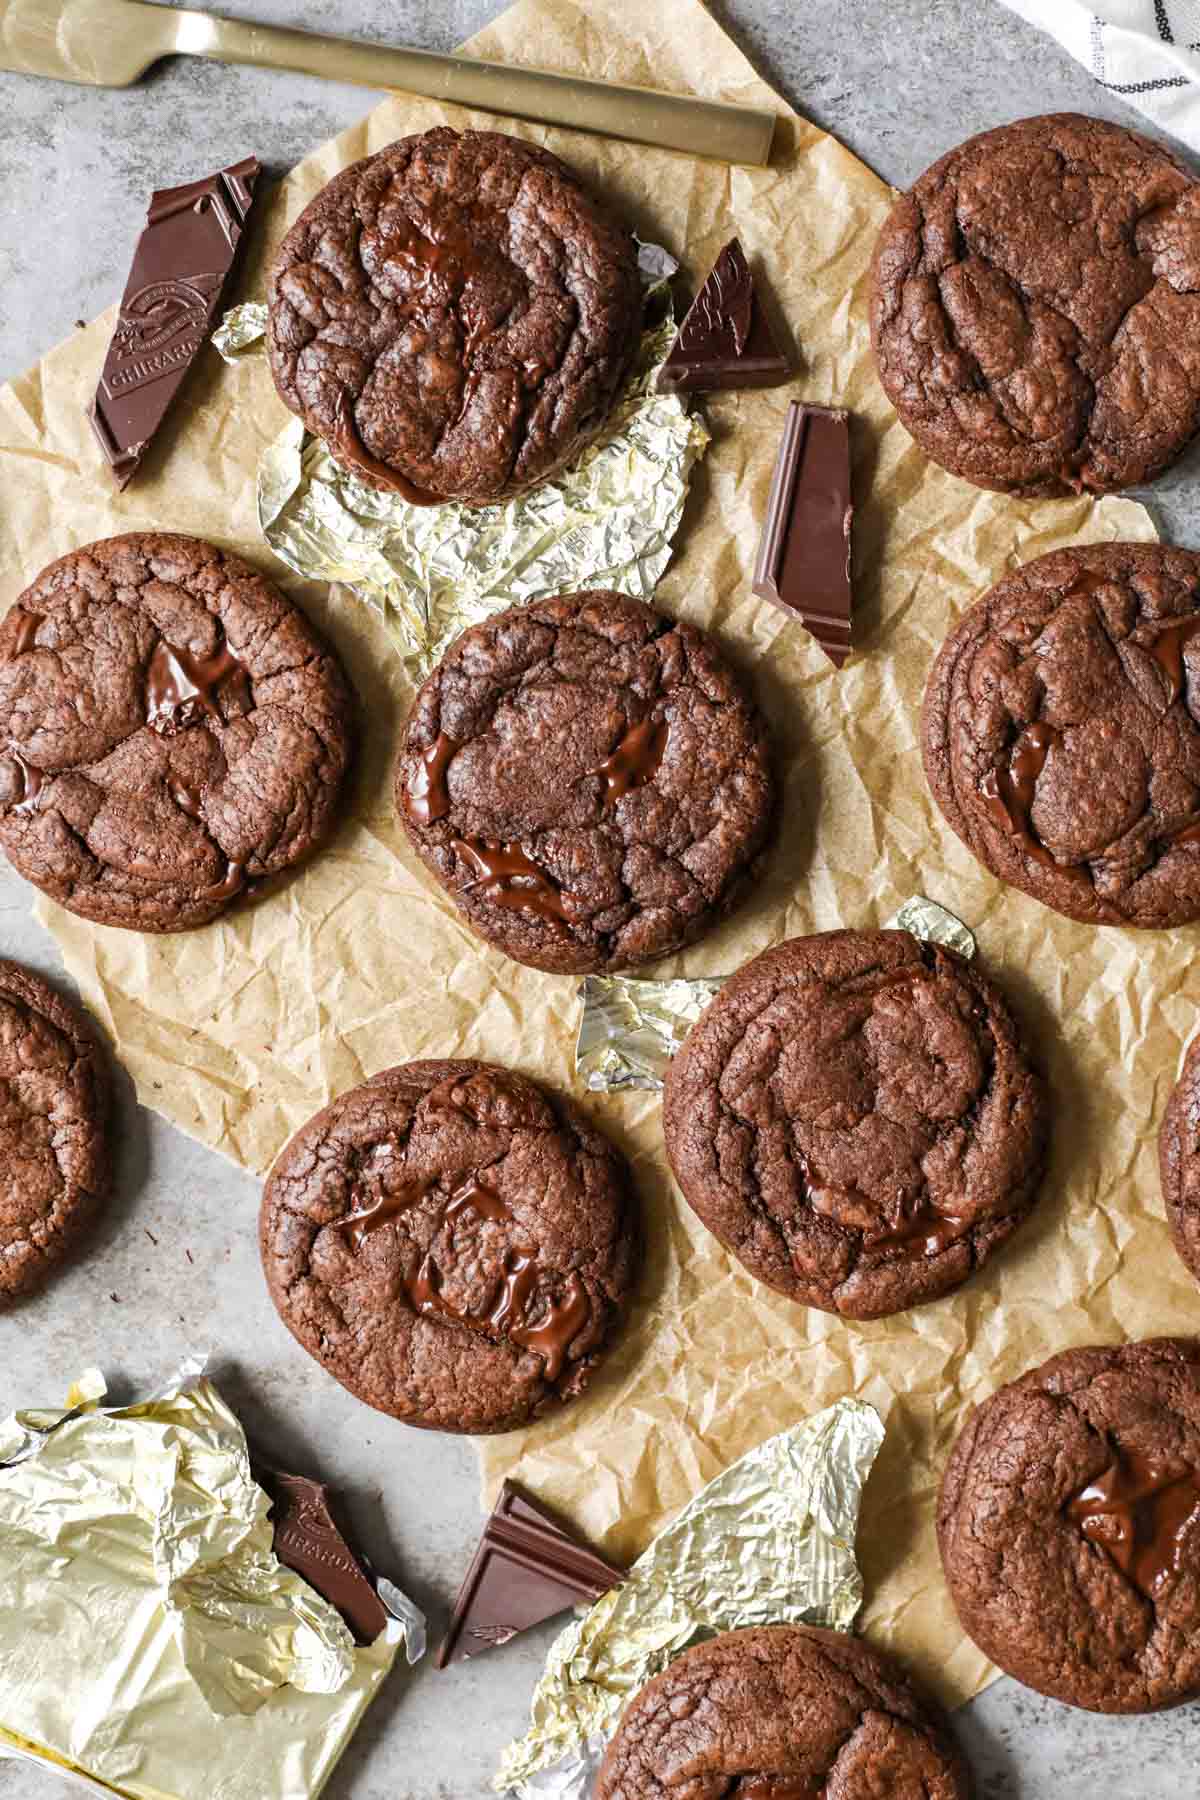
(1036, 307)
(855, 1118)
(588, 781)
(54, 1163)
(1060, 732)
(782, 1712)
(173, 733)
(455, 1245)
(1179, 1160)
(1069, 1526)
(454, 316)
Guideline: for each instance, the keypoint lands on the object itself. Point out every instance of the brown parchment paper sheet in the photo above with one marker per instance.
(240, 1031)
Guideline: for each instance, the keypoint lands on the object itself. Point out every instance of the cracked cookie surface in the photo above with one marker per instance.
(782, 1712)
(453, 1244)
(173, 733)
(454, 316)
(1069, 1526)
(854, 1117)
(1036, 307)
(54, 1164)
(1179, 1160)
(1061, 732)
(588, 781)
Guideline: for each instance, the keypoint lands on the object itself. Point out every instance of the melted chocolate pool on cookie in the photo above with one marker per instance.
(453, 1244)
(588, 781)
(1060, 738)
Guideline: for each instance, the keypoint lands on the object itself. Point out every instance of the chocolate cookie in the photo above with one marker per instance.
(782, 1712)
(53, 1116)
(1069, 1526)
(453, 1244)
(1036, 307)
(855, 1118)
(1061, 738)
(173, 733)
(454, 316)
(588, 781)
(1179, 1160)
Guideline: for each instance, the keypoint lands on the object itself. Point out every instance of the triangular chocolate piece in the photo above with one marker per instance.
(803, 557)
(725, 340)
(181, 268)
(527, 1568)
(310, 1541)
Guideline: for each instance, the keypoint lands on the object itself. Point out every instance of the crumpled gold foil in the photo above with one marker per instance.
(241, 331)
(151, 1643)
(769, 1542)
(431, 571)
(934, 925)
(630, 1029)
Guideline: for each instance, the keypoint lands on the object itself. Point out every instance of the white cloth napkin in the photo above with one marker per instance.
(1148, 51)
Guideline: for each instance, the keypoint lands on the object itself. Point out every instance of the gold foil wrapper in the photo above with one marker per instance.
(431, 571)
(769, 1542)
(242, 331)
(934, 925)
(629, 1030)
(151, 1643)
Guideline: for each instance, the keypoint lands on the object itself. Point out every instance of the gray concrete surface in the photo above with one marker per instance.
(899, 81)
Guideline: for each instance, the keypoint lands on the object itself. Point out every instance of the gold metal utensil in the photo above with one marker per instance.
(110, 43)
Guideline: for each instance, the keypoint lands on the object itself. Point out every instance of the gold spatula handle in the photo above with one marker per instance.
(736, 134)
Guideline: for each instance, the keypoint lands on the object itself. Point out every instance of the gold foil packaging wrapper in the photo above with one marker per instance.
(241, 331)
(934, 925)
(768, 1542)
(630, 1029)
(430, 571)
(151, 1643)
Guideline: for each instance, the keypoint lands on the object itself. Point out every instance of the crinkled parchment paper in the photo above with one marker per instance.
(238, 1032)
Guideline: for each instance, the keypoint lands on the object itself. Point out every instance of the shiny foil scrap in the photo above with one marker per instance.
(769, 1541)
(629, 1030)
(608, 521)
(242, 331)
(933, 925)
(151, 1644)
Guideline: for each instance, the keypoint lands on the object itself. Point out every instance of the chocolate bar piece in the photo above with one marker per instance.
(181, 268)
(804, 556)
(526, 1569)
(310, 1541)
(725, 340)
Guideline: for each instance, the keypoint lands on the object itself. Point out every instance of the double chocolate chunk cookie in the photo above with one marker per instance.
(173, 733)
(1069, 1526)
(54, 1165)
(855, 1118)
(1036, 307)
(453, 1244)
(454, 316)
(782, 1712)
(1179, 1160)
(588, 781)
(1061, 732)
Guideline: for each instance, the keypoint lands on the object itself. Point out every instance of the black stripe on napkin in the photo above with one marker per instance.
(1145, 87)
